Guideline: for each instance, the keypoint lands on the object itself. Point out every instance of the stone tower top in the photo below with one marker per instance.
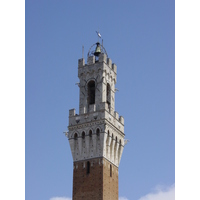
(98, 130)
(96, 133)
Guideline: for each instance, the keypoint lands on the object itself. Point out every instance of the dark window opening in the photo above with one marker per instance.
(98, 132)
(88, 167)
(83, 135)
(90, 133)
(110, 170)
(91, 92)
(75, 136)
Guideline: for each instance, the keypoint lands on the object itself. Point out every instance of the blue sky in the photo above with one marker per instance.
(138, 39)
(139, 36)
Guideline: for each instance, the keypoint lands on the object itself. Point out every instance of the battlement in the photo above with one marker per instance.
(91, 60)
(81, 62)
(109, 62)
(77, 119)
(114, 67)
(72, 112)
(102, 58)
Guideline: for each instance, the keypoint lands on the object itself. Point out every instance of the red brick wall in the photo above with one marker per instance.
(110, 184)
(97, 185)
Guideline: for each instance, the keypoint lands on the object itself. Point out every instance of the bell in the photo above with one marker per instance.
(98, 49)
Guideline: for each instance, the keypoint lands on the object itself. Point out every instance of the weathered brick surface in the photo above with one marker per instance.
(98, 184)
(110, 184)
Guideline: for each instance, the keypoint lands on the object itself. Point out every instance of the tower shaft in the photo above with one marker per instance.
(99, 182)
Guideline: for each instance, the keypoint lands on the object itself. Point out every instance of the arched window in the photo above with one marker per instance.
(91, 92)
(90, 133)
(108, 95)
(110, 170)
(88, 167)
(83, 135)
(98, 132)
(75, 136)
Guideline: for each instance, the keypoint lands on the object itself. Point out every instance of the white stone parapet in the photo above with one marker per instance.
(97, 134)
(75, 119)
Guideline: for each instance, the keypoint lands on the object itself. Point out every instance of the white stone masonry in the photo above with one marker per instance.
(98, 130)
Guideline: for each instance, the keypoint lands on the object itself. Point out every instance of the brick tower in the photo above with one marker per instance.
(96, 134)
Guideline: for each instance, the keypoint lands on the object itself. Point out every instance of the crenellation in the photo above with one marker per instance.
(114, 67)
(72, 112)
(116, 115)
(82, 110)
(109, 63)
(81, 62)
(121, 119)
(91, 60)
(102, 58)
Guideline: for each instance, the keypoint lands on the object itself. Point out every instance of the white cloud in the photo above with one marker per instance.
(123, 198)
(67, 198)
(60, 198)
(160, 192)
(164, 193)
